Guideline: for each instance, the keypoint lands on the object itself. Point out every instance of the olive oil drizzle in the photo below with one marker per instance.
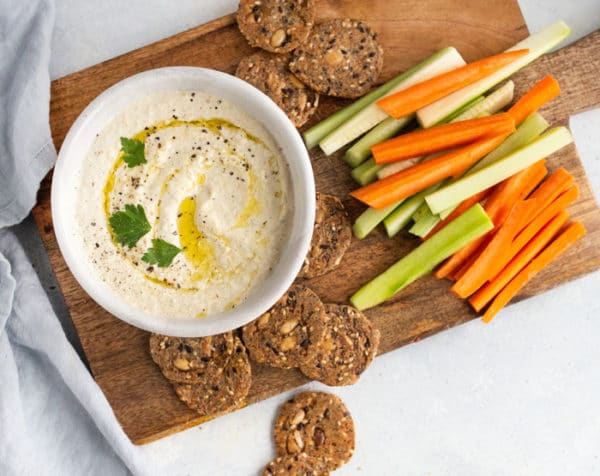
(196, 247)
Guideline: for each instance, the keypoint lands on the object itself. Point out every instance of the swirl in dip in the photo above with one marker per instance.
(213, 189)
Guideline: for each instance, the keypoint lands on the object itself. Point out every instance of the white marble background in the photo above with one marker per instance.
(518, 397)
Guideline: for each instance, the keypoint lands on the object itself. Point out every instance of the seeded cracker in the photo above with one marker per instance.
(269, 73)
(288, 333)
(348, 348)
(317, 424)
(331, 237)
(277, 26)
(340, 58)
(223, 392)
(188, 360)
(297, 465)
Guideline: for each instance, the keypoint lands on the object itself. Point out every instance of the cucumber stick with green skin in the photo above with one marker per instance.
(315, 134)
(371, 115)
(402, 215)
(422, 212)
(386, 129)
(469, 185)
(537, 45)
(424, 221)
(422, 260)
(369, 219)
(366, 172)
(422, 227)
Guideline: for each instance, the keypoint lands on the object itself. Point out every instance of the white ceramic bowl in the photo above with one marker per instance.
(249, 99)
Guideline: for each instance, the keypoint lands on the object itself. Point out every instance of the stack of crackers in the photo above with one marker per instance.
(300, 60)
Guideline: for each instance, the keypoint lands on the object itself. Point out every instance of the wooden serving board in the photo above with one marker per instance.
(141, 398)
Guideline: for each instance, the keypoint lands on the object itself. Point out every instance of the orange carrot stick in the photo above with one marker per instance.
(478, 273)
(553, 186)
(403, 184)
(495, 256)
(518, 187)
(443, 137)
(411, 99)
(544, 91)
(498, 206)
(546, 213)
(490, 289)
(459, 210)
(460, 271)
(573, 232)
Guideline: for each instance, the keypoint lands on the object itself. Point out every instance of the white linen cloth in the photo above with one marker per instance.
(54, 420)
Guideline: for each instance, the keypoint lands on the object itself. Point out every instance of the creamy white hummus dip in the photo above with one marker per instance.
(214, 185)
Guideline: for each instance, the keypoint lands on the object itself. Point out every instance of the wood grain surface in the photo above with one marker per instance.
(141, 398)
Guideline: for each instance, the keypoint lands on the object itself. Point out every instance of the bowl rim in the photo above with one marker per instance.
(293, 152)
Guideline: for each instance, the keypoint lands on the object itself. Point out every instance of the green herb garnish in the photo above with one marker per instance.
(130, 225)
(161, 253)
(133, 151)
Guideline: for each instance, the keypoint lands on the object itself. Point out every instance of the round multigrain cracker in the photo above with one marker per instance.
(288, 333)
(318, 424)
(340, 58)
(277, 26)
(269, 73)
(296, 465)
(220, 393)
(331, 238)
(189, 359)
(348, 348)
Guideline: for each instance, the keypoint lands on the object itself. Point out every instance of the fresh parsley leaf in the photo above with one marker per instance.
(161, 253)
(130, 225)
(133, 151)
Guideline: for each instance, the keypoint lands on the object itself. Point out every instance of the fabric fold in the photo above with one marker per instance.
(54, 418)
(26, 149)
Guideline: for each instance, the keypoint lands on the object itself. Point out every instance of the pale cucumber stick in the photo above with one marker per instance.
(395, 167)
(361, 151)
(402, 215)
(537, 44)
(422, 260)
(366, 172)
(422, 227)
(500, 170)
(459, 112)
(527, 131)
(364, 120)
(315, 134)
(491, 104)
(369, 219)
